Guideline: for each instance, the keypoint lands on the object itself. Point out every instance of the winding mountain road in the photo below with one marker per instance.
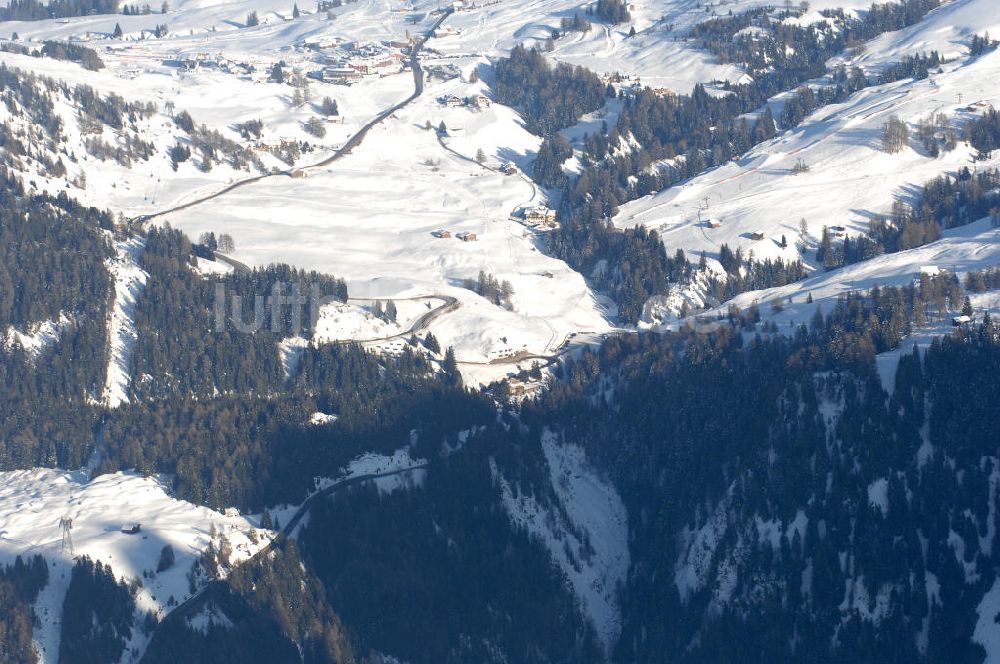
(345, 149)
(450, 303)
(419, 325)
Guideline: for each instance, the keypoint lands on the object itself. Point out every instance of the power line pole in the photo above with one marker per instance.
(66, 525)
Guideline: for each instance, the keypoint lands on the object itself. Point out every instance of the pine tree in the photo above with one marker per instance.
(277, 75)
(431, 342)
(826, 254)
(449, 367)
(506, 292)
(167, 558)
(328, 107)
(226, 244)
(894, 135)
(295, 11)
(117, 34)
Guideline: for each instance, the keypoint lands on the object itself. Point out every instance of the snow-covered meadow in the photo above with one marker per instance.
(32, 503)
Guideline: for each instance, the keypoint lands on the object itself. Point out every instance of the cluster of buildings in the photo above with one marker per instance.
(354, 62)
(256, 71)
(540, 216)
(275, 145)
(465, 236)
(477, 102)
(508, 352)
(445, 31)
(455, 6)
(444, 72)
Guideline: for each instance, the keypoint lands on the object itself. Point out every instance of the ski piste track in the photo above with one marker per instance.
(193, 604)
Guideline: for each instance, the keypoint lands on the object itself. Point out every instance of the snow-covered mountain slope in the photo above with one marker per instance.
(32, 502)
(585, 531)
(369, 217)
(850, 178)
(213, 98)
(204, 21)
(658, 54)
(35, 339)
(975, 246)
